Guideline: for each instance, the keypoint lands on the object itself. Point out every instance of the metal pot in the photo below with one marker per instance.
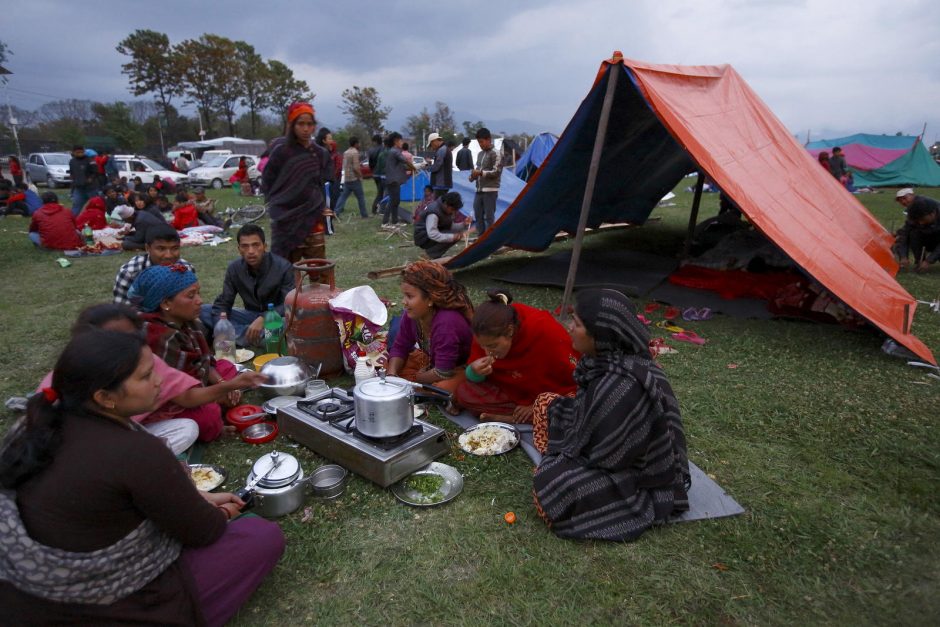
(384, 406)
(278, 491)
(287, 376)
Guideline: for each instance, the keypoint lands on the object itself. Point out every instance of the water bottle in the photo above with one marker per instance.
(89, 235)
(273, 329)
(363, 370)
(223, 339)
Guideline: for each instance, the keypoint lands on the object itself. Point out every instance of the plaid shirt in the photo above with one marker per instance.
(129, 271)
(183, 347)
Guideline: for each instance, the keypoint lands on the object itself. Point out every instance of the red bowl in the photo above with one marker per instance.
(236, 416)
(260, 433)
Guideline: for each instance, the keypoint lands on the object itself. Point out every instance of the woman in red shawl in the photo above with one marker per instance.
(93, 214)
(518, 352)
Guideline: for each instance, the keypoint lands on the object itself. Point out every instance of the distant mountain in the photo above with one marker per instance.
(509, 126)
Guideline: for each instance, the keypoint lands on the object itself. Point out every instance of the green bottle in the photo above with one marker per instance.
(273, 330)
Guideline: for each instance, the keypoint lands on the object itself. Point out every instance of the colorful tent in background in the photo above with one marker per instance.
(884, 160)
(668, 120)
(533, 157)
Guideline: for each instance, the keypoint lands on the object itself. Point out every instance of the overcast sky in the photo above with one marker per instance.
(827, 66)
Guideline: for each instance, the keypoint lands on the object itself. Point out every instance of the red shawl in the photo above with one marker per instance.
(183, 347)
(541, 358)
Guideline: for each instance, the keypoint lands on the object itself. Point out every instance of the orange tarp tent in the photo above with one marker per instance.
(667, 120)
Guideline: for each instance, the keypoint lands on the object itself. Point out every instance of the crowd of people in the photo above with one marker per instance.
(138, 383)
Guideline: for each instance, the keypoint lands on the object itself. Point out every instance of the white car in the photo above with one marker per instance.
(134, 165)
(218, 170)
(51, 168)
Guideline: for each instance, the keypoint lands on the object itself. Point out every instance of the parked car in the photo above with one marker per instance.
(218, 170)
(419, 162)
(136, 165)
(50, 168)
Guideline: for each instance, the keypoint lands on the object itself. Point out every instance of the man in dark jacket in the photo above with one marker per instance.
(920, 235)
(84, 175)
(435, 229)
(260, 278)
(377, 165)
(442, 170)
(143, 220)
(464, 157)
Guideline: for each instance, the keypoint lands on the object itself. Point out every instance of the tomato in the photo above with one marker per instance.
(510, 517)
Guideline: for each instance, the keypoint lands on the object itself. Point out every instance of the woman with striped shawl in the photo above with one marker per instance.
(293, 183)
(614, 455)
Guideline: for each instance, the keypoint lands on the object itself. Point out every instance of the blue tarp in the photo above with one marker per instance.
(509, 187)
(534, 156)
(642, 162)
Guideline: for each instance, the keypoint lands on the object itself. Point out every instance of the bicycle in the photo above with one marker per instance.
(240, 216)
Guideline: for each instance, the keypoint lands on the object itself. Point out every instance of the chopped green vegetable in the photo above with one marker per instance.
(428, 487)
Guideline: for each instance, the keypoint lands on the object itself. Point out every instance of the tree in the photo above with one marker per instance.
(254, 80)
(208, 69)
(364, 108)
(470, 128)
(78, 111)
(154, 68)
(418, 126)
(116, 120)
(283, 89)
(442, 121)
(5, 52)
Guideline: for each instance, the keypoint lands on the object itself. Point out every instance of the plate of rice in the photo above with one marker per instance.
(489, 438)
(207, 477)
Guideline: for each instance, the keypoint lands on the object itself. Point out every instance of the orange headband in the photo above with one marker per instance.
(297, 109)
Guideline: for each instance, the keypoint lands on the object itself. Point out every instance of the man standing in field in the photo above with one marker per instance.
(487, 174)
(442, 170)
(352, 179)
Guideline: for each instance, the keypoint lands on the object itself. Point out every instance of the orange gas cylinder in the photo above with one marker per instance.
(312, 333)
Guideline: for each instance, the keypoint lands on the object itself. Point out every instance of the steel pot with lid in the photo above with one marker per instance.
(384, 406)
(276, 485)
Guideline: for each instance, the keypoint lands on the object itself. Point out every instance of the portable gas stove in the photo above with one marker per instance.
(326, 424)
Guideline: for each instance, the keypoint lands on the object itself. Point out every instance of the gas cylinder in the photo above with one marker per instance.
(312, 333)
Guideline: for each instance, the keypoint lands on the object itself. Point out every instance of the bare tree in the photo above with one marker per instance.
(364, 108)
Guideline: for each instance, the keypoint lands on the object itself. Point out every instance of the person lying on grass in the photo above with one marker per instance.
(518, 352)
(181, 416)
(615, 460)
(101, 523)
(170, 305)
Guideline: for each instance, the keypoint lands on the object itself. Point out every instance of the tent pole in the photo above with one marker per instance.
(693, 217)
(589, 188)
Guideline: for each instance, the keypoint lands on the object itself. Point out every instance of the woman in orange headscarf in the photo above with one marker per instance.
(293, 183)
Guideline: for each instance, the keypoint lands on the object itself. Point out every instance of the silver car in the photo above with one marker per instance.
(50, 168)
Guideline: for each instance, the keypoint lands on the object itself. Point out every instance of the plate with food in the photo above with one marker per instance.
(435, 484)
(489, 438)
(243, 354)
(207, 477)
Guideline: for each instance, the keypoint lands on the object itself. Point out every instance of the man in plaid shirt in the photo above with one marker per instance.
(162, 249)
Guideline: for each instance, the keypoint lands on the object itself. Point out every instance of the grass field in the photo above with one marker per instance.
(831, 446)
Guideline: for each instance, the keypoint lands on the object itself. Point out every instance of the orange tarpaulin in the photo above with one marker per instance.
(749, 153)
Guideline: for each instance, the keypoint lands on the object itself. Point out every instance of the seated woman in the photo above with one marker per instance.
(94, 214)
(615, 455)
(518, 352)
(102, 525)
(437, 320)
(169, 299)
(180, 394)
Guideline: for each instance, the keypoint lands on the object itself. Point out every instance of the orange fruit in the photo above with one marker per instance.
(509, 517)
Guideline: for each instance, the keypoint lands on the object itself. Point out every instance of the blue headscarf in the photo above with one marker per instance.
(157, 283)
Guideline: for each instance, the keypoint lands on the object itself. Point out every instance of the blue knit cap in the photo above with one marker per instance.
(157, 283)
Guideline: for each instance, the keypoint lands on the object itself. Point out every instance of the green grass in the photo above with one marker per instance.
(830, 445)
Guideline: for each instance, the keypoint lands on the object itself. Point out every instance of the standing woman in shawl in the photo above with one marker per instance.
(437, 321)
(615, 459)
(293, 184)
(518, 352)
(170, 303)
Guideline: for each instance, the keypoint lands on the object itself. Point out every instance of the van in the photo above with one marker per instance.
(214, 153)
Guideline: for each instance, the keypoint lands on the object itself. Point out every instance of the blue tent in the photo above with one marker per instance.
(510, 185)
(537, 152)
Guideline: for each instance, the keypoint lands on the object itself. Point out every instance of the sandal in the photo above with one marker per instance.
(651, 307)
(668, 326)
(689, 336)
(643, 319)
(671, 313)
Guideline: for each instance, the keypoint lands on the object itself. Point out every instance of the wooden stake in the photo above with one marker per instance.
(613, 72)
